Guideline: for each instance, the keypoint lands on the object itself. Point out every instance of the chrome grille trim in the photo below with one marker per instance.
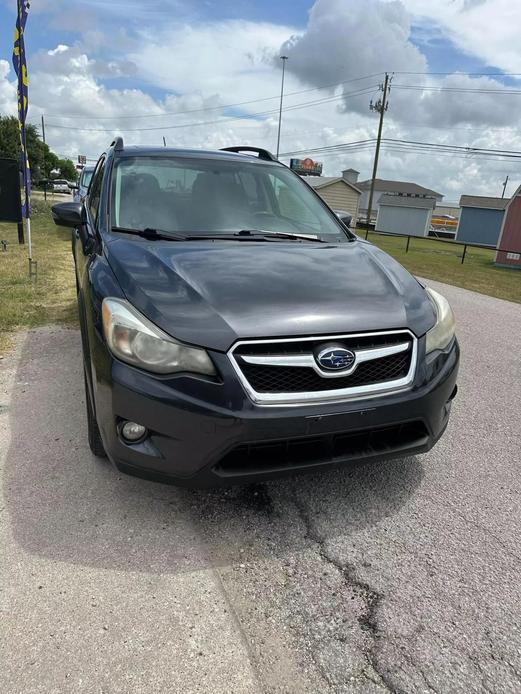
(327, 395)
(308, 360)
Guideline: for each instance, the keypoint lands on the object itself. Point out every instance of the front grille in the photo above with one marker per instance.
(328, 448)
(294, 379)
(287, 371)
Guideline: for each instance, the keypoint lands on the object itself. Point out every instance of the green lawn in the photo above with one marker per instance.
(52, 298)
(442, 262)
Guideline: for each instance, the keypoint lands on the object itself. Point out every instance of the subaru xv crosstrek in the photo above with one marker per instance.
(234, 329)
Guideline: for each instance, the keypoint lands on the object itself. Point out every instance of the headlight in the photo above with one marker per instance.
(442, 333)
(134, 339)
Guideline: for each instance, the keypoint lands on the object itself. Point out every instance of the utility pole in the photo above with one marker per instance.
(283, 58)
(43, 138)
(380, 107)
(504, 187)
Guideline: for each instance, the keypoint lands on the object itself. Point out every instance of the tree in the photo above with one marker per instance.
(41, 160)
(9, 137)
(67, 169)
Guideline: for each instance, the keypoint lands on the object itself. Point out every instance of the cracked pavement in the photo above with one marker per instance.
(399, 576)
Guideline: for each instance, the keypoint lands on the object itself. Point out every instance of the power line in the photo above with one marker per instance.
(446, 129)
(464, 74)
(216, 108)
(459, 90)
(223, 120)
(276, 96)
(411, 145)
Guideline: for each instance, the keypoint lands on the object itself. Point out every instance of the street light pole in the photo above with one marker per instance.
(283, 58)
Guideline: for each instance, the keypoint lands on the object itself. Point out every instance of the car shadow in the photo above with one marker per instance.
(65, 505)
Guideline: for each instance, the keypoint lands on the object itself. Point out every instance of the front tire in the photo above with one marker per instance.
(95, 442)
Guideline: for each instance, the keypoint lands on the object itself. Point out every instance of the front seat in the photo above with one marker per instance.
(218, 202)
(144, 205)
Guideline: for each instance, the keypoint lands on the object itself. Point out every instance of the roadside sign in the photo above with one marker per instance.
(82, 159)
(306, 167)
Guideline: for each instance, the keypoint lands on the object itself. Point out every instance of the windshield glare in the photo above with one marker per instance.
(196, 196)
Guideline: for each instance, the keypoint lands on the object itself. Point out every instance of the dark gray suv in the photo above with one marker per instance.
(234, 329)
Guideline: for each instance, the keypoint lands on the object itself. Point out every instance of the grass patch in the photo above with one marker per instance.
(52, 298)
(442, 262)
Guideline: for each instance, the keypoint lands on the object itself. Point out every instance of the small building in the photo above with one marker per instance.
(509, 243)
(340, 192)
(398, 214)
(386, 187)
(481, 219)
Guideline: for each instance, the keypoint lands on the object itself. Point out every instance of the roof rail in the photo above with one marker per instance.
(263, 153)
(117, 143)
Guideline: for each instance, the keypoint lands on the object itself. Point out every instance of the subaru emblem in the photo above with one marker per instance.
(336, 358)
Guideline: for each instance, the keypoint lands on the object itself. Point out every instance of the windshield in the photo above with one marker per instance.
(86, 175)
(196, 196)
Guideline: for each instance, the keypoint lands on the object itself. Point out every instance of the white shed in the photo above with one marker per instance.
(401, 214)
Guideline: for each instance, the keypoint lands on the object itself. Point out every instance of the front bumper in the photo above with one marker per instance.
(207, 434)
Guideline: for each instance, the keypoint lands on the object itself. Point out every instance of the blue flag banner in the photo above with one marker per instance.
(20, 67)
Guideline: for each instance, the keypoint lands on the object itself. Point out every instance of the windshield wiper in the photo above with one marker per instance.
(151, 234)
(279, 234)
(257, 235)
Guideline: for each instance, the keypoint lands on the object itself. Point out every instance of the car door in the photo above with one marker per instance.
(87, 246)
(85, 237)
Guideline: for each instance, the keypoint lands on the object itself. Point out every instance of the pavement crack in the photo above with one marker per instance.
(370, 597)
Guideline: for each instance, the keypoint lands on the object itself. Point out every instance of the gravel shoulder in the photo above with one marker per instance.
(402, 576)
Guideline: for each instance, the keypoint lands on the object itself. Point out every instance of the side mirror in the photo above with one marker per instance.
(344, 217)
(67, 214)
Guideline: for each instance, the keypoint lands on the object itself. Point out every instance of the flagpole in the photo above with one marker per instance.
(20, 66)
(25, 158)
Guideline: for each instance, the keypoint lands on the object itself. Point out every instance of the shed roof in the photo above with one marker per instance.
(483, 202)
(321, 181)
(404, 201)
(404, 187)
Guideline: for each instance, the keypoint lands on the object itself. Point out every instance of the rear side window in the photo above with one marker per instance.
(95, 191)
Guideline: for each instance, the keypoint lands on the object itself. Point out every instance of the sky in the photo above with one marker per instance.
(207, 74)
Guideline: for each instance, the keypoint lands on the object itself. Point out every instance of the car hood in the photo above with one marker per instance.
(212, 293)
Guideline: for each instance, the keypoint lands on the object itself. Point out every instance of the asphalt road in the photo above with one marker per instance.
(402, 576)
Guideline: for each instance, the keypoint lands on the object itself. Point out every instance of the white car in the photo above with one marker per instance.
(60, 185)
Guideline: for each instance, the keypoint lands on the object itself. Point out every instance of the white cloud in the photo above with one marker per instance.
(7, 91)
(204, 65)
(487, 29)
(345, 39)
(230, 57)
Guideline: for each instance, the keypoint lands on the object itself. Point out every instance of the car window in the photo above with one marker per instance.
(193, 195)
(95, 191)
(86, 177)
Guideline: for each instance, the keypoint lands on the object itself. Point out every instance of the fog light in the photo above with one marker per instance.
(132, 432)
